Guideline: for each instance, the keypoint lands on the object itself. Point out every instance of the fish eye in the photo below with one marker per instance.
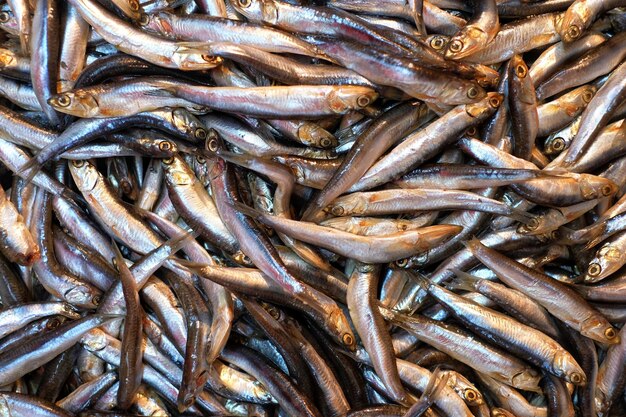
(53, 324)
(470, 395)
(472, 131)
(134, 5)
(610, 333)
(587, 96)
(455, 46)
(212, 145)
(521, 71)
(402, 263)
(576, 378)
(245, 3)
(207, 58)
(326, 142)
(573, 32)
(594, 269)
(165, 146)
(337, 211)
(200, 133)
(494, 102)
(63, 100)
(558, 144)
(607, 190)
(347, 339)
(363, 101)
(168, 161)
(144, 19)
(472, 92)
(96, 300)
(4, 17)
(532, 224)
(200, 159)
(246, 259)
(78, 163)
(437, 43)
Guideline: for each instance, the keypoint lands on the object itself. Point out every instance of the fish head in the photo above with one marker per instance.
(344, 206)
(555, 144)
(486, 106)
(344, 98)
(466, 42)
(573, 23)
(438, 42)
(79, 103)
(257, 10)
(157, 148)
(598, 328)
(82, 296)
(341, 330)
(188, 125)
(593, 186)
(177, 172)
(565, 365)
(608, 259)
(85, 175)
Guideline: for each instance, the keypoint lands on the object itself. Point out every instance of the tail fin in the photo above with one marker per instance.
(247, 210)
(463, 281)
(30, 169)
(521, 216)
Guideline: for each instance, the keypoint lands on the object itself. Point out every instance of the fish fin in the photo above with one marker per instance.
(167, 92)
(463, 281)
(30, 169)
(421, 280)
(521, 216)
(437, 382)
(247, 210)
(472, 242)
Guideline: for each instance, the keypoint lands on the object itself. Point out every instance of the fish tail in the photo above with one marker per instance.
(463, 281)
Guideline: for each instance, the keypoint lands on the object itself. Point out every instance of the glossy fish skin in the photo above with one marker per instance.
(196, 206)
(421, 82)
(282, 101)
(570, 189)
(44, 55)
(581, 14)
(559, 113)
(42, 348)
(589, 66)
(131, 358)
(12, 404)
(425, 143)
(52, 276)
(519, 37)
(153, 49)
(523, 108)
(536, 347)
(16, 241)
(371, 327)
(364, 152)
(477, 33)
(597, 114)
(201, 28)
(496, 363)
(569, 307)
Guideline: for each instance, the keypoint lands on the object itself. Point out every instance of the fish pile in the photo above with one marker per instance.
(340, 208)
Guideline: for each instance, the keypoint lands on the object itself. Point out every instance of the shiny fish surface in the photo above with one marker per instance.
(329, 208)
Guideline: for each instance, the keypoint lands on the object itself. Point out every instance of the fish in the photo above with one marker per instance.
(306, 208)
